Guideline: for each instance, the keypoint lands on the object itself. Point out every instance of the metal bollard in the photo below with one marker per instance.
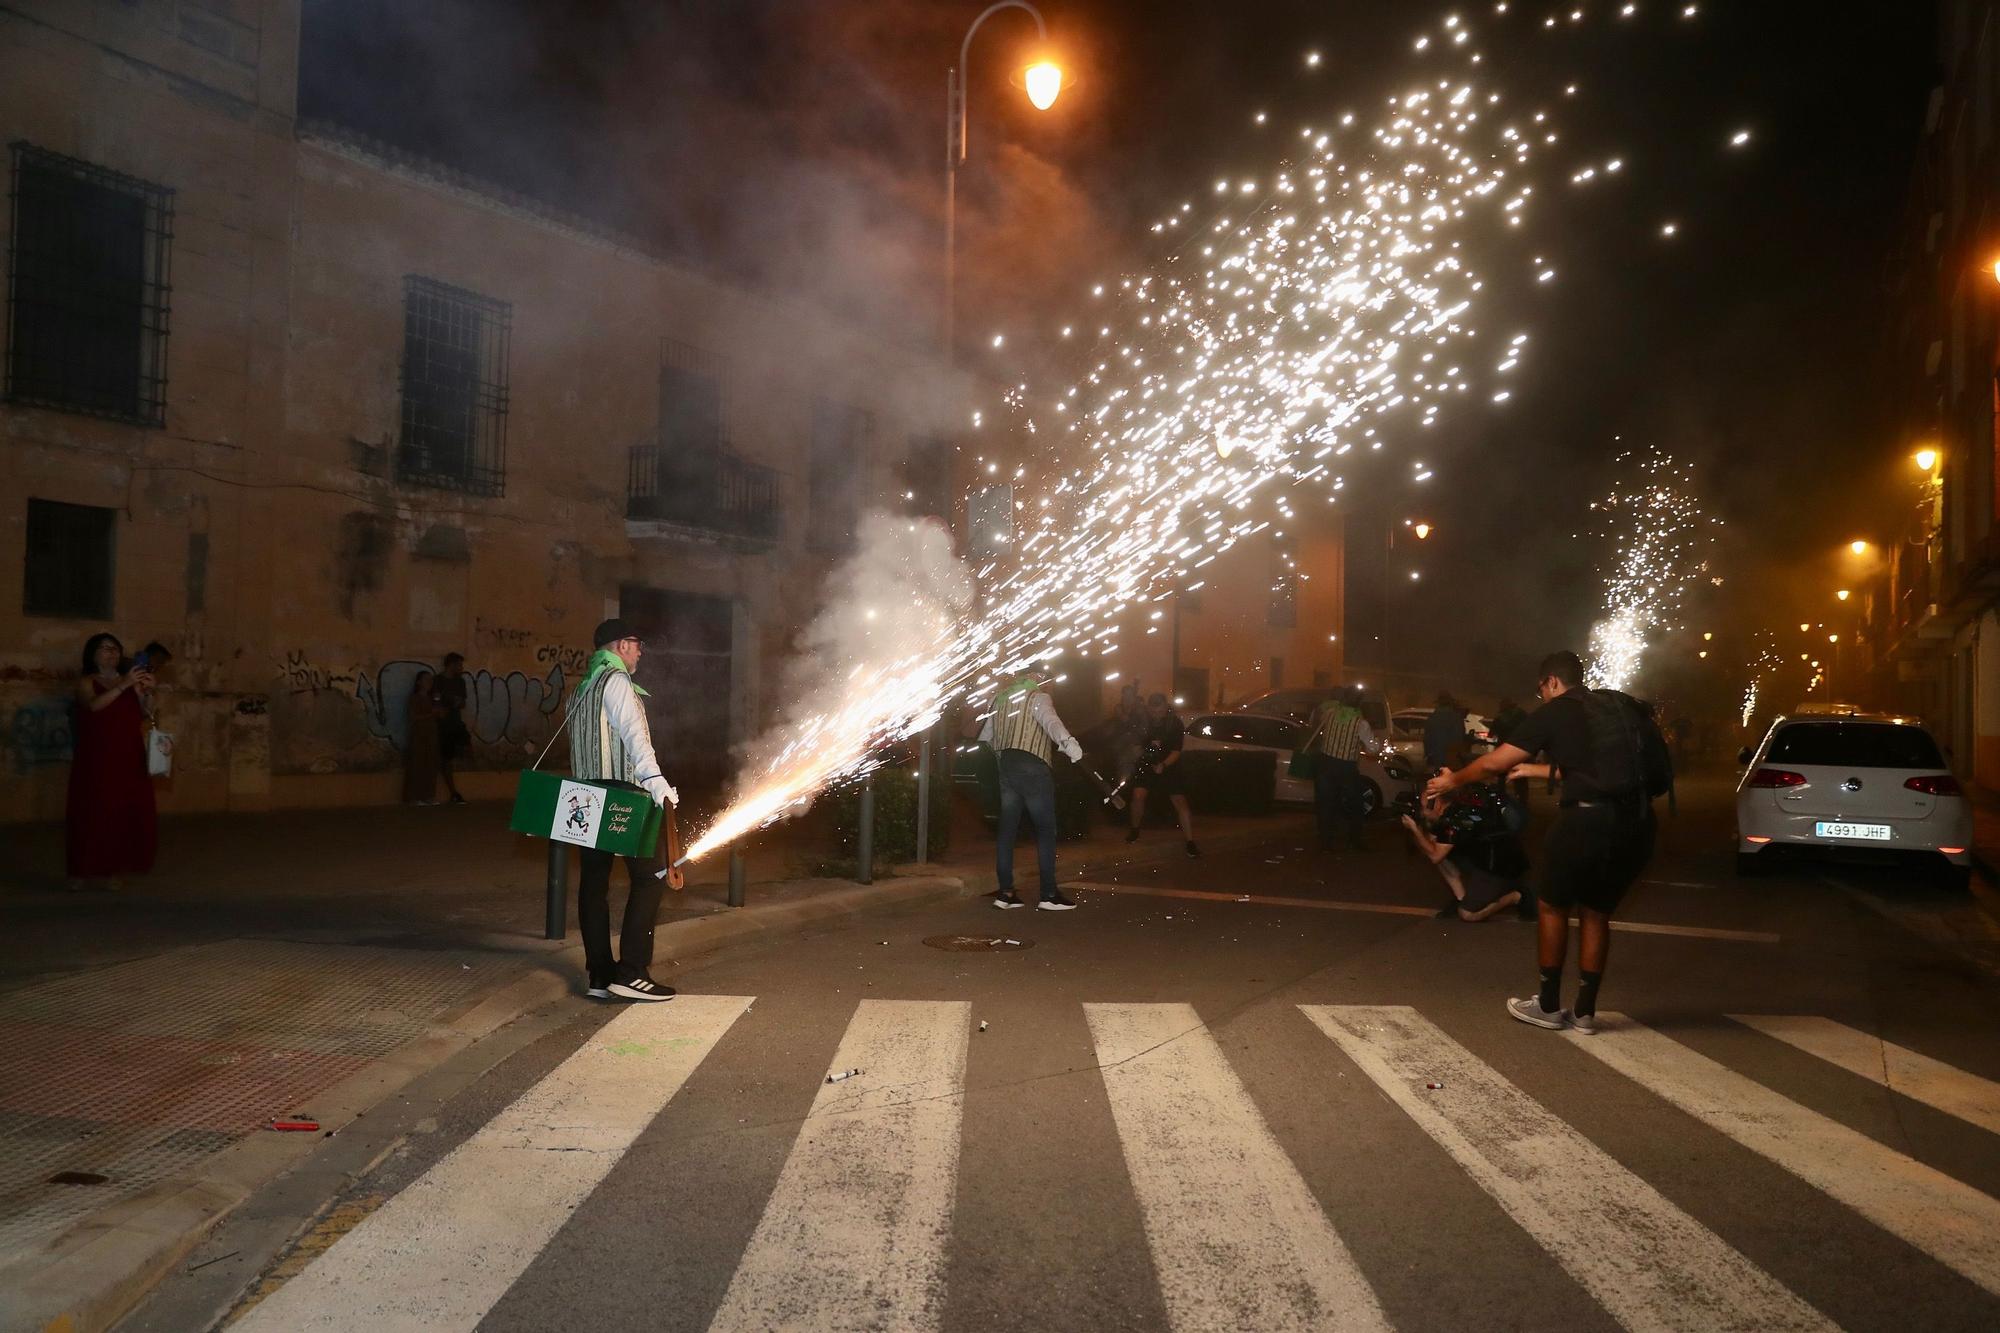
(553, 925)
(737, 873)
(924, 796)
(864, 848)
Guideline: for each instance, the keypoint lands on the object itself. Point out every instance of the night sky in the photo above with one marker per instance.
(798, 144)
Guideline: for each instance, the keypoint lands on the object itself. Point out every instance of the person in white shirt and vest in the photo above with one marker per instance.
(1025, 733)
(610, 741)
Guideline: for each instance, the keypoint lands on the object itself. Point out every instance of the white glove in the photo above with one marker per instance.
(662, 792)
(1073, 750)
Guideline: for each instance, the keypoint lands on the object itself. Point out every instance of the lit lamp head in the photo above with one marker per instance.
(1858, 547)
(1043, 80)
(1925, 459)
(1422, 530)
(1843, 594)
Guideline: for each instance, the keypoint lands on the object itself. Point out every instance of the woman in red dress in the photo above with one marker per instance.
(112, 824)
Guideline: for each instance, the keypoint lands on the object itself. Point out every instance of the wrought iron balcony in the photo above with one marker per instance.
(709, 489)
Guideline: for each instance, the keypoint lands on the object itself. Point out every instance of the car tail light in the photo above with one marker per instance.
(1752, 837)
(1776, 777)
(1942, 784)
(1952, 851)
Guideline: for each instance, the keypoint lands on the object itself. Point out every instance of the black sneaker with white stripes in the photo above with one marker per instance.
(641, 989)
(1056, 902)
(1008, 901)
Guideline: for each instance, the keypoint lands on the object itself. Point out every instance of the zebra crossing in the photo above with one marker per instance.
(857, 1230)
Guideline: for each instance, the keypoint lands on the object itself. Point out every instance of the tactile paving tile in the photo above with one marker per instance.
(138, 1071)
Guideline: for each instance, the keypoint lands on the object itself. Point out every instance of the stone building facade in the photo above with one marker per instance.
(314, 414)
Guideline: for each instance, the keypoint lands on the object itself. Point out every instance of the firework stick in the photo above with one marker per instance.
(670, 857)
(1111, 796)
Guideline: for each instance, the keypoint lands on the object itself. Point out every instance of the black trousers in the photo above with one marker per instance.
(1337, 800)
(593, 916)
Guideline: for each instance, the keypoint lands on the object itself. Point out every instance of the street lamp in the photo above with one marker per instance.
(1422, 530)
(1925, 459)
(1043, 81)
(1858, 547)
(1843, 595)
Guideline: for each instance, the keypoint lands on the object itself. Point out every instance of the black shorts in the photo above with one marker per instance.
(1482, 887)
(1595, 853)
(1161, 784)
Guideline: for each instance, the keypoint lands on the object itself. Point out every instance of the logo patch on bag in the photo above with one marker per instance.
(579, 809)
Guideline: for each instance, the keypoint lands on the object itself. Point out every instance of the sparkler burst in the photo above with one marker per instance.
(1660, 544)
(1326, 307)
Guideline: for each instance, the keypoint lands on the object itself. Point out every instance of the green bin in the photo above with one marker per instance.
(607, 816)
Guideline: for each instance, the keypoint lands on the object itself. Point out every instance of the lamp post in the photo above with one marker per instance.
(1043, 81)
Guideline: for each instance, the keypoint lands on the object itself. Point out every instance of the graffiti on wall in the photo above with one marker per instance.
(38, 735)
(497, 708)
(302, 676)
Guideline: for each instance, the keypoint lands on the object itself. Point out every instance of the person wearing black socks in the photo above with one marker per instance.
(1598, 743)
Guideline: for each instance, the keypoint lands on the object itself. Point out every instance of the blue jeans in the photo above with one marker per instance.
(1027, 784)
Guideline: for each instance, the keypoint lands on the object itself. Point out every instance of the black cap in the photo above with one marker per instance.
(611, 631)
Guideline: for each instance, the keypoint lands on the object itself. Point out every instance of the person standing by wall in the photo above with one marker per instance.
(1597, 743)
(1158, 770)
(1339, 736)
(113, 827)
(454, 737)
(610, 741)
(1025, 733)
(421, 756)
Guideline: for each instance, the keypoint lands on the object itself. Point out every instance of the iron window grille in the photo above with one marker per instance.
(70, 561)
(87, 288)
(454, 389)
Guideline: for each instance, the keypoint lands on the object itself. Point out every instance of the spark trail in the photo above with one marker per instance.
(1660, 546)
(1333, 295)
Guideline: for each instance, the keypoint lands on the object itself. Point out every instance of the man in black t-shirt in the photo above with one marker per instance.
(1598, 845)
(1158, 770)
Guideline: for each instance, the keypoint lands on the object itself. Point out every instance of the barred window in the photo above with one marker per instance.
(454, 389)
(69, 561)
(87, 288)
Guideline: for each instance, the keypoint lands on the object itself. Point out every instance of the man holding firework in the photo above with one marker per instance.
(1025, 733)
(610, 741)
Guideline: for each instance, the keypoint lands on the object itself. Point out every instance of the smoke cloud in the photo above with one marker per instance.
(870, 669)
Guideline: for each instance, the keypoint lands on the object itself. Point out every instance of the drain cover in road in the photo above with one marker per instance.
(978, 943)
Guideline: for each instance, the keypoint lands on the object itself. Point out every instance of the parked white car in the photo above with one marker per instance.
(1869, 781)
(1406, 732)
(1280, 736)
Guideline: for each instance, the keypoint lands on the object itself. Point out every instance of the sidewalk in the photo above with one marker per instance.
(314, 962)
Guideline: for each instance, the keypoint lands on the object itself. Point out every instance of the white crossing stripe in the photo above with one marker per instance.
(853, 1235)
(1918, 1077)
(1648, 1263)
(1237, 1238)
(1946, 1219)
(442, 1252)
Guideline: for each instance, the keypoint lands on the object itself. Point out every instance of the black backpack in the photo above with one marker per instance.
(1627, 752)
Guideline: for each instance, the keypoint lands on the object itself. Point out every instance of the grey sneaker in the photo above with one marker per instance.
(1529, 1010)
(1584, 1023)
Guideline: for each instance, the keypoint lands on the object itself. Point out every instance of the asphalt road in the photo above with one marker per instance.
(1194, 1112)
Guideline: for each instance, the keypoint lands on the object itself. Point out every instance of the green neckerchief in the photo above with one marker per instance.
(604, 660)
(1019, 685)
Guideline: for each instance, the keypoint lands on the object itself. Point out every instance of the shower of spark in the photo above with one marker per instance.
(1765, 664)
(1328, 303)
(1660, 545)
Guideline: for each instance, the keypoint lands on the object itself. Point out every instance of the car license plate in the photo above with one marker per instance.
(1868, 832)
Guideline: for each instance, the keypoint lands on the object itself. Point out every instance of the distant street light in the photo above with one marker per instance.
(1422, 530)
(1843, 594)
(1858, 547)
(1925, 459)
(1803, 629)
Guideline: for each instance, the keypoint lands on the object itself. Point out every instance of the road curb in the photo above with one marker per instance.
(94, 1273)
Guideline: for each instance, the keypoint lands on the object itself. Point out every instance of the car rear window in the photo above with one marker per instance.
(1855, 745)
